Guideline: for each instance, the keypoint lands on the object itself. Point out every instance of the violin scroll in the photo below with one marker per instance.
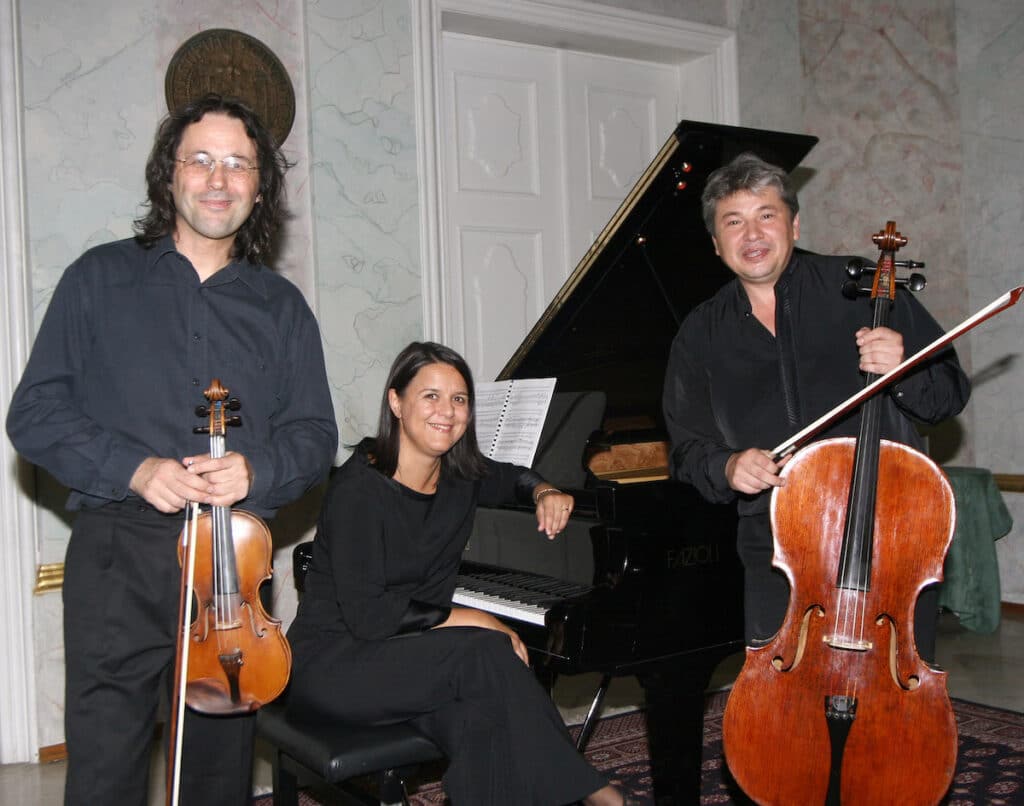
(216, 394)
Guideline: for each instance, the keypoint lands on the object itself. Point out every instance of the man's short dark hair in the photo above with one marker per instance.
(746, 172)
(255, 237)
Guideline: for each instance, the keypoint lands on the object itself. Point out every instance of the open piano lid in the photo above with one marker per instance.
(611, 325)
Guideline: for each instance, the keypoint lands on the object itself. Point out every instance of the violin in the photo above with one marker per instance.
(838, 708)
(232, 656)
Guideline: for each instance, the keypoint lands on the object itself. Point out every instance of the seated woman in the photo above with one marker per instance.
(376, 639)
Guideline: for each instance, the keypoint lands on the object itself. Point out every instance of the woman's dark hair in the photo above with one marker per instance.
(464, 459)
(255, 237)
(746, 172)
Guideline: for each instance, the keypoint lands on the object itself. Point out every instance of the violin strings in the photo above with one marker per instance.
(218, 519)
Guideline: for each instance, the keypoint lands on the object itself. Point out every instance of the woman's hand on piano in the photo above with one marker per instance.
(471, 617)
(553, 509)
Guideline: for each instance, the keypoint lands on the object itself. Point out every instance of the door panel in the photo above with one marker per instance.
(539, 146)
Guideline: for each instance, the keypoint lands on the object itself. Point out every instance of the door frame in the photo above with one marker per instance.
(568, 24)
(19, 729)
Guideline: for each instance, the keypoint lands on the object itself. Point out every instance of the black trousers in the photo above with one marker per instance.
(121, 590)
(766, 591)
(467, 690)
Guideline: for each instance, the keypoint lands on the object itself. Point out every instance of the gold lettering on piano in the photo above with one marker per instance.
(689, 556)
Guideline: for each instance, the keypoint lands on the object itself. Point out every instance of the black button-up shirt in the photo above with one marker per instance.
(129, 343)
(731, 385)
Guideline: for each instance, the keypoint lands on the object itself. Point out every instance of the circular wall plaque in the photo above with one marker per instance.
(232, 63)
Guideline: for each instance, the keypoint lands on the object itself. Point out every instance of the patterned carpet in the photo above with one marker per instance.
(990, 761)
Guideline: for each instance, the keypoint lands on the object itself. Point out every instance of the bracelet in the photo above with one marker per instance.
(542, 493)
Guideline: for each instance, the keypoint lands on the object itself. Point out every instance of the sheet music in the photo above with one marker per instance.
(510, 416)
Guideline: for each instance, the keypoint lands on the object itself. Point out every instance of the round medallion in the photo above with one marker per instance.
(232, 63)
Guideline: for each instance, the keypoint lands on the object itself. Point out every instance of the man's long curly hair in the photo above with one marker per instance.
(255, 237)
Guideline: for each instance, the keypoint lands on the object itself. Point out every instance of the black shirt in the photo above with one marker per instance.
(385, 557)
(731, 385)
(130, 341)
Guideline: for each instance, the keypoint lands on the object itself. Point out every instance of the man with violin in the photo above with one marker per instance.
(774, 349)
(134, 333)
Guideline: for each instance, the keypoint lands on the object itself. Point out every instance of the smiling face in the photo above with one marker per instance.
(211, 206)
(433, 411)
(754, 235)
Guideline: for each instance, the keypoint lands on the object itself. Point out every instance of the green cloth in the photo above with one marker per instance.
(971, 585)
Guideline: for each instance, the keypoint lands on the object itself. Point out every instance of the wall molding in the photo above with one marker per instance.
(1009, 482)
(18, 517)
(571, 24)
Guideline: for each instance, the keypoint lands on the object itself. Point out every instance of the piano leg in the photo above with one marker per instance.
(593, 714)
(674, 694)
(546, 677)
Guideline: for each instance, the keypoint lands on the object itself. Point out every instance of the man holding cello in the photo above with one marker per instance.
(135, 331)
(774, 349)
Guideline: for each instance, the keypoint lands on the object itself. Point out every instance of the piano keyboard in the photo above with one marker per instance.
(514, 595)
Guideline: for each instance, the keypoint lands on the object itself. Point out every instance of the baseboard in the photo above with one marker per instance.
(52, 753)
(1013, 608)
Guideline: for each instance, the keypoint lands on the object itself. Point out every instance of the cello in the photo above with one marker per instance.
(838, 708)
(232, 657)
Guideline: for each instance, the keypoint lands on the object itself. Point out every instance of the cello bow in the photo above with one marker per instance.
(802, 437)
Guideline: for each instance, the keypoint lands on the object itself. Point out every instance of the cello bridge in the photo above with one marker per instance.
(853, 644)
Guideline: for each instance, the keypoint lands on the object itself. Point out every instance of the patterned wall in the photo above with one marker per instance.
(918, 104)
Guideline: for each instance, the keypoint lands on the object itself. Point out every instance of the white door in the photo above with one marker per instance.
(539, 147)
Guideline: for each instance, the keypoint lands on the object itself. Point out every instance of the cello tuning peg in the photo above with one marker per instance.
(915, 282)
(201, 429)
(234, 404)
(851, 289)
(855, 267)
(233, 420)
(202, 411)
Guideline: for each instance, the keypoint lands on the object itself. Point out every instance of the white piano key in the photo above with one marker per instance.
(499, 607)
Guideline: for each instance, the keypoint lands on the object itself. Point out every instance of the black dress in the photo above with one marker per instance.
(383, 572)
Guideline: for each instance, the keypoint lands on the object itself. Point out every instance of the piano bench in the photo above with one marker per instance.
(336, 753)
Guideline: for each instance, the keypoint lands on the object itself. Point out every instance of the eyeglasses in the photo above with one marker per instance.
(202, 164)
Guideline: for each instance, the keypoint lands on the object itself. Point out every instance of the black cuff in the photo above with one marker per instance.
(525, 485)
(420, 616)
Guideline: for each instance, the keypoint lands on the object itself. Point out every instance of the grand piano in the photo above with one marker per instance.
(646, 580)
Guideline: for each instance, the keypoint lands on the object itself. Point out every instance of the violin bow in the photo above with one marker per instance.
(176, 743)
(802, 437)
